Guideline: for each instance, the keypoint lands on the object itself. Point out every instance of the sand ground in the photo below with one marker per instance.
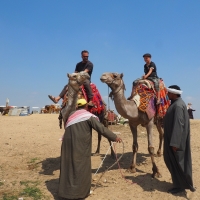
(30, 155)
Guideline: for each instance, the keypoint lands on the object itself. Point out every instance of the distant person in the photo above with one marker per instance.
(150, 73)
(75, 170)
(190, 110)
(177, 151)
(84, 65)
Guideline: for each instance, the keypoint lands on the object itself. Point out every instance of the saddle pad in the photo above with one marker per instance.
(145, 94)
(165, 102)
(97, 99)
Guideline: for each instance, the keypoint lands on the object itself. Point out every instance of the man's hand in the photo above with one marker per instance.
(118, 140)
(174, 149)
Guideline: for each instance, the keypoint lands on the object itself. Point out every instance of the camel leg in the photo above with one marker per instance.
(112, 151)
(149, 128)
(98, 145)
(161, 135)
(132, 168)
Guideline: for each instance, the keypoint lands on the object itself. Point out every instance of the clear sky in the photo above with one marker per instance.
(41, 41)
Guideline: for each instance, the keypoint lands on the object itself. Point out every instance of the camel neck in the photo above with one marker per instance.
(127, 109)
(72, 95)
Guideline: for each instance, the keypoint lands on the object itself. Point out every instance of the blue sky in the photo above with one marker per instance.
(41, 41)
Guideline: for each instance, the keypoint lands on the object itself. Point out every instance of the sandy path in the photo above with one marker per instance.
(30, 150)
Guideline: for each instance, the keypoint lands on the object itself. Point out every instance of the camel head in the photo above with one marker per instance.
(113, 80)
(77, 79)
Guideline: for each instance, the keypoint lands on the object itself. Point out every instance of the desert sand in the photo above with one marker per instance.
(30, 161)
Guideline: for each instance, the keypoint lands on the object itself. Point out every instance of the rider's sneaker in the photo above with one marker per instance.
(90, 104)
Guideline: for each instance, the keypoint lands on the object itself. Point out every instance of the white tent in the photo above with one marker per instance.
(35, 110)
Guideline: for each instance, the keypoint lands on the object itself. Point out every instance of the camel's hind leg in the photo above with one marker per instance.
(149, 128)
(98, 145)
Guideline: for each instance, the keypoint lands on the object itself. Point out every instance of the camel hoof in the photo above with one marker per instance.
(96, 154)
(131, 170)
(159, 154)
(156, 175)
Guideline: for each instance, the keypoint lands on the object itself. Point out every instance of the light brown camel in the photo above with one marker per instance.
(129, 110)
(75, 81)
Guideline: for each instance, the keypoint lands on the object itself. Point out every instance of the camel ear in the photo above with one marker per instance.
(121, 75)
(68, 75)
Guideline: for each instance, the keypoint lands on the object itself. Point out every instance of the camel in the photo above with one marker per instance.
(129, 110)
(75, 81)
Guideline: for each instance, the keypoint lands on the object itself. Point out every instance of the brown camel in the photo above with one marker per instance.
(129, 110)
(75, 81)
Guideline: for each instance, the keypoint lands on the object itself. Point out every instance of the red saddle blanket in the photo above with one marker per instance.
(148, 100)
(97, 99)
(165, 102)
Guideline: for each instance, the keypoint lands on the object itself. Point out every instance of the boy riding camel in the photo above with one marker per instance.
(84, 65)
(150, 74)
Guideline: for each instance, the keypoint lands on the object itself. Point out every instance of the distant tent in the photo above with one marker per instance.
(35, 110)
(19, 111)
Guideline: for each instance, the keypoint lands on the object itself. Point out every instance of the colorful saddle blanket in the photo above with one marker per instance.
(97, 99)
(147, 100)
(165, 102)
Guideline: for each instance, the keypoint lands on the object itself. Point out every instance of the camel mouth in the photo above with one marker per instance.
(102, 79)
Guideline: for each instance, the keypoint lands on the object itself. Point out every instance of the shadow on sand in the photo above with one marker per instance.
(144, 180)
(125, 161)
(49, 165)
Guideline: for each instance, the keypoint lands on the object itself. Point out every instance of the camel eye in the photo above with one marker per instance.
(115, 75)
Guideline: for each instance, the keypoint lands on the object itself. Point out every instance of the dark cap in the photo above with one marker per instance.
(147, 55)
(176, 87)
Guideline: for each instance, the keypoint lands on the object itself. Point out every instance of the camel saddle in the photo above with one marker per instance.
(144, 96)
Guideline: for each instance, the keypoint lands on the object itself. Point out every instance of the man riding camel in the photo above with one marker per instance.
(150, 74)
(84, 65)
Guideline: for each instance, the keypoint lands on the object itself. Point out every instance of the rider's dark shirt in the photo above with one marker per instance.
(147, 68)
(82, 66)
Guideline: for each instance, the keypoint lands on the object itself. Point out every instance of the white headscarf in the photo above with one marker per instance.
(174, 91)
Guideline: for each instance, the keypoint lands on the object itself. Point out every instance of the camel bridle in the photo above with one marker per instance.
(118, 89)
(78, 82)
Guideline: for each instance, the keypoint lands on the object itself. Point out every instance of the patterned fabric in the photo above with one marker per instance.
(147, 100)
(165, 102)
(151, 109)
(97, 100)
(146, 96)
(79, 116)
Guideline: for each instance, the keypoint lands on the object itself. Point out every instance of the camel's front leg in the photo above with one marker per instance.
(161, 134)
(132, 168)
(151, 149)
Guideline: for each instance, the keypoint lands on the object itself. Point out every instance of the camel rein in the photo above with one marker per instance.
(117, 161)
(115, 92)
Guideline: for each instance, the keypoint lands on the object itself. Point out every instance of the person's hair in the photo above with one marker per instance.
(176, 87)
(84, 51)
(147, 55)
